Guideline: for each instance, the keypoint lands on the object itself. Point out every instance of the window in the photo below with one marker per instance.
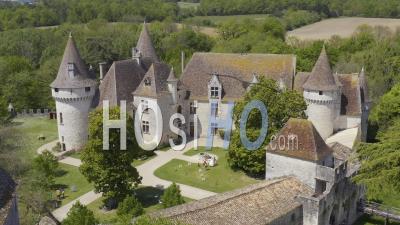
(145, 106)
(62, 138)
(179, 110)
(55, 89)
(321, 92)
(87, 89)
(214, 128)
(193, 108)
(214, 92)
(214, 109)
(71, 70)
(61, 118)
(147, 82)
(145, 127)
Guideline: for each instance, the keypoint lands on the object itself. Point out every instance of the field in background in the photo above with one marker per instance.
(186, 5)
(343, 27)
(214, 20)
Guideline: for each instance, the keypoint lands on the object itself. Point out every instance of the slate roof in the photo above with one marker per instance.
(311, 146)
(82, 77)
(257, 204)
(235, 71)
(351, 96)
(157, 77)
(145, 45)
(321, 77)
(121, 80)
(7, 188)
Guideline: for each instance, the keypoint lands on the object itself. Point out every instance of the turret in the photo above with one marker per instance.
(253, 82)
(144, 48)
(173, 85)
(73, 90)
(321, 93)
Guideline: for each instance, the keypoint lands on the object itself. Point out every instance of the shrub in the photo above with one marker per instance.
(172, 196)
(130, 206)
(81, 215)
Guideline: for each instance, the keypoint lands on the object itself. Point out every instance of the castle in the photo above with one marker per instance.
(310, 186)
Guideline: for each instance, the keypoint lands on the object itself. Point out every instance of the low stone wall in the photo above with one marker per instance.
(34, 112)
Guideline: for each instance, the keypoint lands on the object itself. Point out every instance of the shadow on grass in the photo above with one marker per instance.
(60, 173)
(149, 196)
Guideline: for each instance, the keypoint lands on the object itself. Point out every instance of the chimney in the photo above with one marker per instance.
(182, 60)
(101, 66)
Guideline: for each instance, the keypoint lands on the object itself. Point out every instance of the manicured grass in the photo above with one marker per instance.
(148, 196)
(138, 162)
(220, 178)
(30, 128)
(75, 154)
(373, 220)
(70, 176)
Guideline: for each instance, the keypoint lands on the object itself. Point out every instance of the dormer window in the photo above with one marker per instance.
(71, 70)
(147, 82)
(214, 92)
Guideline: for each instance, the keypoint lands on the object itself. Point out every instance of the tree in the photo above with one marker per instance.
(80, 214)
(172, 196)
(281, 105)
(46, 165)
(380, 161)
(110, 171)
(130, 206)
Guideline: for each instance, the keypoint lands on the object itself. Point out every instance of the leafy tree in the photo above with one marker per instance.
(172, 196)
(79, 214)
(110, 171)
(281, 106)
(46, 164)
(130, 206)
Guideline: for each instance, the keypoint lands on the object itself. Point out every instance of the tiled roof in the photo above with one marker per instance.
(340, 151)
(154, 82)
(7, 188)
(235, 71)
(82, 77)
(299, 80)
(121, 80)
(257, 204)
(351, 99)
(145, 45)
(311, 146)
(321, 77)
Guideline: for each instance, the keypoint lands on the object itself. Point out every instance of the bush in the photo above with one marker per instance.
(81, 215)
(130, 206)
(172, 196)
(221, 133)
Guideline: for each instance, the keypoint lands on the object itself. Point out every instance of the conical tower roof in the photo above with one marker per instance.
(145, 45)
(321, 77)
(171, 77)
(81, 76)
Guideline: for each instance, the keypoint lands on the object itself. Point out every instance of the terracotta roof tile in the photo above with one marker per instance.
(310, 147)
(351, 99)
(257, 204)
(235, 71)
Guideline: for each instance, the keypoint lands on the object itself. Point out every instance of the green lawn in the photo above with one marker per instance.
(373, 220)
(30, 128)
(220, 178)
(70, 176)
(148, 196)
(75, 154)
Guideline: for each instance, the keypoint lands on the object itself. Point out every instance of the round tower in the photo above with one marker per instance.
(321, 93)
(73, 90)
